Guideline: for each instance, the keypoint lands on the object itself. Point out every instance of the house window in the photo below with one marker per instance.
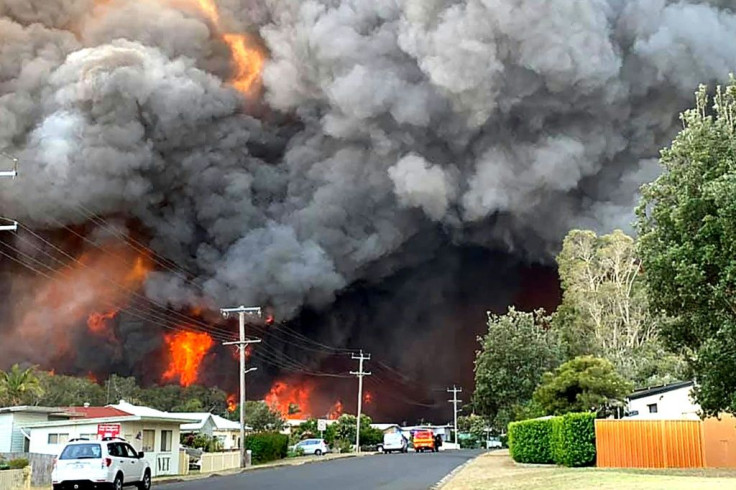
(166, 436)
(58, 438)
(652, 407)
(149, 438)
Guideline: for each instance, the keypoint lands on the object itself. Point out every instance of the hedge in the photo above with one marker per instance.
(567, 440)
(529, 441)
(573, 440)
(267, 446)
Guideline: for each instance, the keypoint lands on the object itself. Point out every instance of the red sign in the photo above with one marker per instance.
(108, 430)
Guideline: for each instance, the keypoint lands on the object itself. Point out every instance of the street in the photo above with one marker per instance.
(385, 471)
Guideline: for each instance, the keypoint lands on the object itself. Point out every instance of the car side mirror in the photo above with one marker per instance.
(140, 455)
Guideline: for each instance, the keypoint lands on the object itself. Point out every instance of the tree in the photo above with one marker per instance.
(583, 384)
(261, 417)
(346, 425)
(475, 425)
(517, 350)
(605, 309)
(687, 230)
(19, 386)
(69, 391)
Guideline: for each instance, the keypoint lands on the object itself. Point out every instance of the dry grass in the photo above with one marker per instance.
(496, 470)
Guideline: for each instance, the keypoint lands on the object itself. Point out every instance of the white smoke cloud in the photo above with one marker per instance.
(417, 183)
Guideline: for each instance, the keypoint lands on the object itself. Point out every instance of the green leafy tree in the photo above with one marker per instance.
(605, 309)
(584, 384)
(475, 426)
(345, 430)
(517, 350)
(69, 391)
(687, 230)
(19, 386)
(262, 417)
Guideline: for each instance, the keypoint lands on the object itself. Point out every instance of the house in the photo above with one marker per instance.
(224, 430)
(387, 428)
(12, 419)
(672, 401)
(151, 431)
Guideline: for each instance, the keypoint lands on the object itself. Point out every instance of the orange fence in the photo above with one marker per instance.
(666, 443)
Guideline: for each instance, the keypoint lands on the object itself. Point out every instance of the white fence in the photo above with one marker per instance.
(15, 479)
(220, 461)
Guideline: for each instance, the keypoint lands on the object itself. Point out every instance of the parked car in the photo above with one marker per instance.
(110, 463)
(494, 443)
(395, 442)
(424, 441)
(318, 447)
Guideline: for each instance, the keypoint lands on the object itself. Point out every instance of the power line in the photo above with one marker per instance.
(455, 390)
(360, 374)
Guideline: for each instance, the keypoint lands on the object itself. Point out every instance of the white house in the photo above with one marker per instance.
(154, 432)
(224, 430)
(12, 419)
(671, 401)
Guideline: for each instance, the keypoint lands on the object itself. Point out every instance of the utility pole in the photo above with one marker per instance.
(360, 373)
(242, 343)
(12, 174)
(455, 390)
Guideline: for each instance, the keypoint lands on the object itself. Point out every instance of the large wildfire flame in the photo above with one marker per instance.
(232, 404)
(92, 288)
(247, 57)
(296, 400)
(186, 352)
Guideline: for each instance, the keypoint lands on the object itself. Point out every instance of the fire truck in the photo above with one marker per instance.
(424, 441)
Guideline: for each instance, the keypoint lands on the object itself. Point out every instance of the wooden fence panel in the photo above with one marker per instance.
(649, 444)
(720, 442)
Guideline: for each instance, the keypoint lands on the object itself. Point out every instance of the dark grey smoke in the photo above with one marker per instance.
(502, 123)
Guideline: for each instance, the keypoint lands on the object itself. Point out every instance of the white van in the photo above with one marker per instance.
(395, 442)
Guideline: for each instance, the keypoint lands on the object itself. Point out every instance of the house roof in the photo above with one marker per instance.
(199, 419)
(657, 390)
(96, 412)
(31, 409)
(384, 426)
(148, 413)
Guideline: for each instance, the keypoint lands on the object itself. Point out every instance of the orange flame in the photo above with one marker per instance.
(98, 279)
(92, 377)
(97, 322)
(335, 411)
(52, 372)
(231, 403)
(186, 353)
(367, 397)
(283, 398)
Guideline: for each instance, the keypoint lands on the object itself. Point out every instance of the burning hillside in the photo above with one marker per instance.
(381, 173)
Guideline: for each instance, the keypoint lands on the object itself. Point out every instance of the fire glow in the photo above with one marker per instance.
(232, 405)
(297, 400)
(248, 59)
(99, 280)
(186, 353)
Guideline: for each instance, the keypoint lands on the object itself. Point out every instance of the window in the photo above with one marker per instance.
(114, 449)
(166, 441)
(149, 440)
(91, 437)
(58, 438)
(129, 451)
(652, 408)
(81, 451)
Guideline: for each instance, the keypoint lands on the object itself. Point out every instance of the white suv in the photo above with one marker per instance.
(110, 463)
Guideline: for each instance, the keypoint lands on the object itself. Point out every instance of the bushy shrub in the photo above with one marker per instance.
(529, 441)
(568, 440)
(267, 446)
(17, 464)
(573, 439)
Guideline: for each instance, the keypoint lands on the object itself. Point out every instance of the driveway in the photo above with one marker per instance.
(384, 471)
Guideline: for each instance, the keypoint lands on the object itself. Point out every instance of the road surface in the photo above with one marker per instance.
(384, 471)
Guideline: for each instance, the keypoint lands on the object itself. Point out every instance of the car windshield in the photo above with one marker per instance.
(81, 451)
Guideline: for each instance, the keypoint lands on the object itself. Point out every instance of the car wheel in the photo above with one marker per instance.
(318, 452)
(146, 483)
(117, 483)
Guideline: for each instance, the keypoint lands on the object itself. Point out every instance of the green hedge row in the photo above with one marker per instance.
(267, 446)
(568, 440)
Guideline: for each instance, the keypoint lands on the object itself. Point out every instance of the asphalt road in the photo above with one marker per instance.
(384, 471)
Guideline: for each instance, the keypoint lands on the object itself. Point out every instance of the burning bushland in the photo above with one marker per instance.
(381, 172)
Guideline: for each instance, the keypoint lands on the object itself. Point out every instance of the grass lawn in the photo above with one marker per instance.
(496, 470)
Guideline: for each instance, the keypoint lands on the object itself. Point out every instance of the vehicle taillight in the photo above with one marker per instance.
(106, 462)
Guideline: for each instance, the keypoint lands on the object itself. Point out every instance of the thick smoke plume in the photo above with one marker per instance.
(384, 130)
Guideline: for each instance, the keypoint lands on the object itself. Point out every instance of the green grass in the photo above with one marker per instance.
(495, 471)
